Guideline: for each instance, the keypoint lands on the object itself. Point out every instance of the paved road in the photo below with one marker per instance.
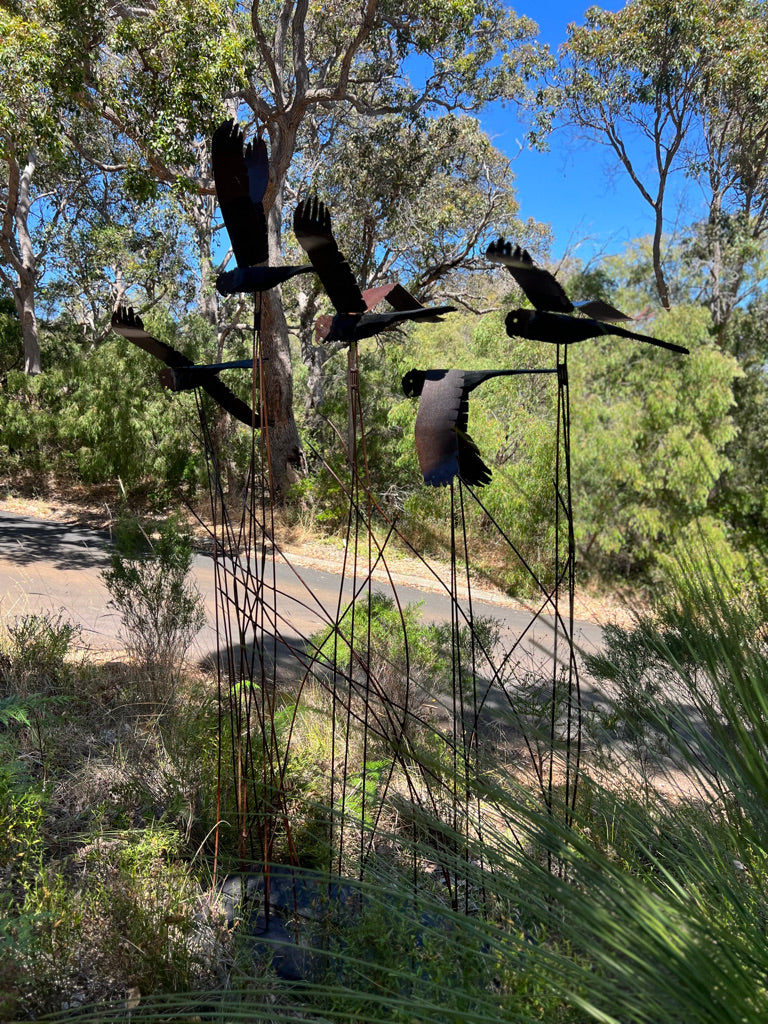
(52, 566)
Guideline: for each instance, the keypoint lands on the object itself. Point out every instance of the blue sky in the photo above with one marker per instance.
(577, 186)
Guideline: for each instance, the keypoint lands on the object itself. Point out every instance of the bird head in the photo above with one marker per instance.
(517, 321)
(344, 328)
(413, 383)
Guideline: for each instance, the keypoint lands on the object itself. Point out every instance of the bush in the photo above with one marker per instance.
(33, 658)
(162, 610)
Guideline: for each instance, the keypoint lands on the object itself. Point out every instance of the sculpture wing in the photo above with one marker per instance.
(539, 286)
(257, 162)
(130, 326)
(437, 445)
(472, 469)
(238, 180)
(220, 393)
(599, 310)
(312, 226)
(444, 448)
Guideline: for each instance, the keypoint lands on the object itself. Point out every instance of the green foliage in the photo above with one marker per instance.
(741, 495)
(408, 662)
(119, 422)
(22, 814)
(36, 654)
(10, 337)
(422, 963)
(22, 811)
(161, 609)
(649, 438)
(100, 415)
(27, 113)
(129, 917)
(682, 881)
(400, 647)
(425, 193)
(673, 86)
(325, 495)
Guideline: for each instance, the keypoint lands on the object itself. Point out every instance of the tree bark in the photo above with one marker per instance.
(280, 431)
(20, 255)
(24, 293)
(24, 297)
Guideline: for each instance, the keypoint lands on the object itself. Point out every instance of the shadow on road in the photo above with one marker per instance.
(285, 657)
(64, 546)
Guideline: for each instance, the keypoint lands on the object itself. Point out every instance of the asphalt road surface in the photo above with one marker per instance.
(53, 566)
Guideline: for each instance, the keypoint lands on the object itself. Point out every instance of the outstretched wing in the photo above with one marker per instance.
(257, 162)
(312, 226)
(129, 325)
(472, 469)
(437, 444)
(599, 310)
(539, 286)
(542, 289)
(220, 393)
(241, 179)
(443, 446)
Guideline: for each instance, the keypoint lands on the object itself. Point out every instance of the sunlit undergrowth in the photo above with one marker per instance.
(652, 907)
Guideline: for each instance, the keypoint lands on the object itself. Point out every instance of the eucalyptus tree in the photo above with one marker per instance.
(316, 66)
(673, 86)
(161, 75)
(296, 69)
(31, 199)
(412, 203)
(66, 182)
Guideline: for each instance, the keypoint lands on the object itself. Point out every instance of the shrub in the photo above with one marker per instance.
(34, 656)
(161, 609)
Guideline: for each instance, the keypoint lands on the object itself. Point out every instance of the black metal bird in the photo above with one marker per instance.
(182, 374)
(353, 321)
(443, 446)
(542, 289)
(556, 328)
(241, 176)
(399, 298)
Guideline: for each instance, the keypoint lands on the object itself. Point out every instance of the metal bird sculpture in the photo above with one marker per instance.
(549, 321)
(399, 298)
(353, 320)
(443, 446)
(557, 328)
(241, 176)
(181, 373)
(542, 289)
